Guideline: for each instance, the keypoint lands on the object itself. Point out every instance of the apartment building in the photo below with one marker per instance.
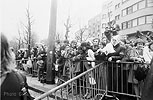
(130, 15)
(96, 25)
(134, 15)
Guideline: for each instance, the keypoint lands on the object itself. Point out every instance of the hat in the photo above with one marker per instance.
(66, 41)
(139, 40)
(39, 57)
(84, 44)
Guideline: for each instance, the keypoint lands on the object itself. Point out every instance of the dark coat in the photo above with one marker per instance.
(147, 93)
(119, 52)
(11, 88)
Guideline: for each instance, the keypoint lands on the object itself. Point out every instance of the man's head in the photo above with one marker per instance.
(96, 41)
(115, 40)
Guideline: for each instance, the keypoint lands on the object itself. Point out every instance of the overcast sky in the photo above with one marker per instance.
(80, 11)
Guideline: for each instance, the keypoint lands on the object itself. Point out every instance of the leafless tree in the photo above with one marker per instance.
(67, 25)
(27, 29)
(19, 39)
(80, 33)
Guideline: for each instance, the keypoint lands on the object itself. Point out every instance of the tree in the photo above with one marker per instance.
(80, 34)
(14, 43)
(34, 39)
(27, 32)
(67, 25)
(19, 39)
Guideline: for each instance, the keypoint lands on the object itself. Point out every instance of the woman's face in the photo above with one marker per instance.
(139, 45)
(101, 46)
(114, 42)
(84, 48)
(73, 44)
(96, 42)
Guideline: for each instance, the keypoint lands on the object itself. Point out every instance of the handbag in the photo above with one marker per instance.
(141, 72)
(25, 95)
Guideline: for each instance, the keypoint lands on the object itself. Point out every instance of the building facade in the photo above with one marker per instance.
(130, 15)
(134, 15)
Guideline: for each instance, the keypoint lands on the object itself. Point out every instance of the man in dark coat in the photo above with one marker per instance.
(147, 93)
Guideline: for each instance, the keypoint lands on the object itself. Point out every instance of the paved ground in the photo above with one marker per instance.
(36, 88)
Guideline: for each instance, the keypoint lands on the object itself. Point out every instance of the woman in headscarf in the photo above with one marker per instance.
(136, 75)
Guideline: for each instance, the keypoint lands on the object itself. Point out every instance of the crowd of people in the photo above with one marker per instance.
(117, 49)
(33, 62)
(68, 57)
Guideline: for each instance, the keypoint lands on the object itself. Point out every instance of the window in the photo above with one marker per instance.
(124, 25)
(149, 19)
(129, 24)
(134, 22)
(98, 28)
(110, 14)
(129, 10)
(117, 17)
(149, 3)
(141, 20)
(141, 4)
(124, 12)
(117, 6)
(135, 7)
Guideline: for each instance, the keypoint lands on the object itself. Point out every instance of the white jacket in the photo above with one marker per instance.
(146, 54)
(91, 57)
(108, 49)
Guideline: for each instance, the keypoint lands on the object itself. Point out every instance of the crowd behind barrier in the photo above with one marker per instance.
(105, 80)
(70, 57)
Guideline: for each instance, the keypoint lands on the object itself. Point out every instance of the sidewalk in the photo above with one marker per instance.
(36, 88)
(34, 83)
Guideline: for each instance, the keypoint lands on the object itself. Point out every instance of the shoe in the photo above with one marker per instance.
(86, 95)
(89, 96)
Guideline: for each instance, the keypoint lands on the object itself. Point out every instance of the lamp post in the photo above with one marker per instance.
(51, 43)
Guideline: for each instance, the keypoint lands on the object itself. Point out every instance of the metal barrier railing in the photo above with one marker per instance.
(105, 79)
(80, 85)
(31, 70)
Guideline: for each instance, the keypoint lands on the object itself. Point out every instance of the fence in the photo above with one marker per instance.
(31, 69)
(107, 79)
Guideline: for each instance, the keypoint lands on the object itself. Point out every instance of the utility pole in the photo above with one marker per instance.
(51, 43)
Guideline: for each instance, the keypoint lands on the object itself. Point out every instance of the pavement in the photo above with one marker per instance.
(34, 83)
(36, 88)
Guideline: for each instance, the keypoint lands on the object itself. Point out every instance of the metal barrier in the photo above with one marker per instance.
(93, 80)
(107, 79)
(22, 65)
